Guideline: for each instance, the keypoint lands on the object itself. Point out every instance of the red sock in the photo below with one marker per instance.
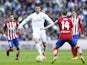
(10, 49)
(55, 51)
(74, 51)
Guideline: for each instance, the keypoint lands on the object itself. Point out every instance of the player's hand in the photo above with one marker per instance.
(82, 36)
(5, 36)
(42, 28)
(20, 28)
(56, 29)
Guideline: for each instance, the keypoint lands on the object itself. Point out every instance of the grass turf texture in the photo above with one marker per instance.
(27, 57)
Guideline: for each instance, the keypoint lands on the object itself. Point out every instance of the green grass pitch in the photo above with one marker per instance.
(27, 57)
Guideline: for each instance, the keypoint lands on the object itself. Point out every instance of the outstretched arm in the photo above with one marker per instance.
(24, 22)
(50, 20)
(48, 26)
(51, 25)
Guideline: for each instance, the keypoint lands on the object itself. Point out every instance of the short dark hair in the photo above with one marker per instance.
(73, 10)
(64, 12)
(37, 5)
(10, 14)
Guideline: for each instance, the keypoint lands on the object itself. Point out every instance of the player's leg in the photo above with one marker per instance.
(16, 43)
(10, 42)
(74, 52)
(38, 46)
(74, 44)
(59, 43)
(79, 50)
(73, 49)
(44, 49)
(44, 41)
(36, 39)
(44, 46)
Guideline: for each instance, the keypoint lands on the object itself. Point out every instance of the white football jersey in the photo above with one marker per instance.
(37, 20)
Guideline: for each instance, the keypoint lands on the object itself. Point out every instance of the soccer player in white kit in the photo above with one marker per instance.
(38, 18)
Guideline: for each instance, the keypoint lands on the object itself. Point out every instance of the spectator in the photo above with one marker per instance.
(22, 8)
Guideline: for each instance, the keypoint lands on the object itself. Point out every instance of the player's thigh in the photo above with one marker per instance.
(36, 37)
(16, 42)
(43, 37)
(72, 42)
(59, 43)
(76, 37)
(10, 42)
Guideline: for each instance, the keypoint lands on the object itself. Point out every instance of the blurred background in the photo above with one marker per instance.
(22, 8)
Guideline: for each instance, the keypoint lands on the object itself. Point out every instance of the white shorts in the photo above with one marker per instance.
(41, 35)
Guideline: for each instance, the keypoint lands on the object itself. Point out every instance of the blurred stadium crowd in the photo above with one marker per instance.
(22, 8)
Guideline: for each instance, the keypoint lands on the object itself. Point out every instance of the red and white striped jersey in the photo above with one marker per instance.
(10, 29)
(77, 25)
(65, 26)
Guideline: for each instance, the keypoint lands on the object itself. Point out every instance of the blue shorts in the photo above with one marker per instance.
(13, 42)
(60, 42)
(76, 37)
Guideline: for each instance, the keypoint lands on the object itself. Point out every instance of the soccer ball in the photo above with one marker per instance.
(39, 58)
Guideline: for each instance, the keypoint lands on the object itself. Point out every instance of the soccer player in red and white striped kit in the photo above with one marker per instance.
(10, 29)
(77, 27)
(65, 26)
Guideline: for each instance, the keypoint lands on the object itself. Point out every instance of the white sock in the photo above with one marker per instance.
(16, 52)
(79, 51)
(38, 46)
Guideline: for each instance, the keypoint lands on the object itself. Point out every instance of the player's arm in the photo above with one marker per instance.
(71, 25)
(17, 23)
(4, 27)
(24, 22)
(81, 28)
(5, 30)
(17, 29)
(49, 20)
(51, 25)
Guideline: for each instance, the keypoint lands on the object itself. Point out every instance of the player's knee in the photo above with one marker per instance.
(10, 49)
(72, 47)
(18, 48)
(36, 40)
(55, 48)
(44, 44)
(77, 47)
